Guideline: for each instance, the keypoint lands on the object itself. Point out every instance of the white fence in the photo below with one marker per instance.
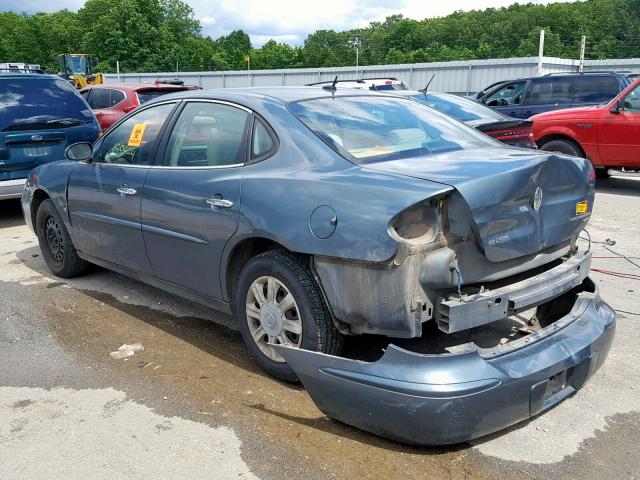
(462, 77)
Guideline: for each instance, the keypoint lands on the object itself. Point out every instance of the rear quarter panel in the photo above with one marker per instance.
(280, 194)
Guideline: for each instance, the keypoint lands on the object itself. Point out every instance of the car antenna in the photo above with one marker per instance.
(331, 88)
(426, 89)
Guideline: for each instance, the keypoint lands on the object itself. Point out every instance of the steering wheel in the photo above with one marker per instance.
(503, 102)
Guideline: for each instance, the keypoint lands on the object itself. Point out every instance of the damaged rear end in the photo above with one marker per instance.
(496, 247)
(468, 392)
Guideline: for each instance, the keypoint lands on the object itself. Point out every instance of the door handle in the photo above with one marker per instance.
(124, 190)
(219, 202)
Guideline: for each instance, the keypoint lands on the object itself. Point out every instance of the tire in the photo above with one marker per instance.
(602, 172)
(55, 243)
(566, 147)
(277, 274)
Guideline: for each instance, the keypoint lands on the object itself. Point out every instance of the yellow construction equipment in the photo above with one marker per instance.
(77, 68)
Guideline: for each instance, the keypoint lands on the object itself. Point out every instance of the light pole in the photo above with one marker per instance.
(356, 43)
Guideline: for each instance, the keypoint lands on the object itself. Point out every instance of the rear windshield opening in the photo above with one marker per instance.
(367, 129)
(40, 103)
(459, 108)
(147, 95)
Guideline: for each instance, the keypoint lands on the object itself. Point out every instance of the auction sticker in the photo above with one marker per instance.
(135, 139)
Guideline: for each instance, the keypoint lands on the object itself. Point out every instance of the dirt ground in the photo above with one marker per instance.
(193, 405)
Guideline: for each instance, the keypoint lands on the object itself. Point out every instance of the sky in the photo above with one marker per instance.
(289, 21)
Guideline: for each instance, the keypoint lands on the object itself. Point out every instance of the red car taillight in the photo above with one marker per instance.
(511, 134)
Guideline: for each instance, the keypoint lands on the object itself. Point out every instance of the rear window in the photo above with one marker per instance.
(389, 86)
(550, 91)
(595, 89)
(371, 129)
(40, 103)
(149, 94)
(459, 108)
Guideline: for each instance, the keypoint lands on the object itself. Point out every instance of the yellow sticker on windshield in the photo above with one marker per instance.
(135, 139)
(581, 207)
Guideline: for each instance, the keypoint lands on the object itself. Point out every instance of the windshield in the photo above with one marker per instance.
(370, 128)
(40, 103)
(459, 108)
(78, 64)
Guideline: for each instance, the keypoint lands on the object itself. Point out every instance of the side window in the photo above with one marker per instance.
(549, 91)
(207, 135)
(510, 94)
(132, 141)
(632, 100)
(99, 98)
(595, 89)
(116, 97)
(261, 142)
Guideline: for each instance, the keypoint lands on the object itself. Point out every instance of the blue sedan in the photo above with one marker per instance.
(313, 215)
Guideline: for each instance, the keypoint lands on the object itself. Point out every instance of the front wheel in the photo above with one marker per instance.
(279, 303)
(55, 243)
(566, 147)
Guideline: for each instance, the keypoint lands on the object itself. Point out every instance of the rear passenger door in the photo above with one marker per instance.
(191, 202)
(546, 94)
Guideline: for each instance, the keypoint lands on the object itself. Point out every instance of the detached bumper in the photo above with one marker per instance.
(11, 188)
(451, 398)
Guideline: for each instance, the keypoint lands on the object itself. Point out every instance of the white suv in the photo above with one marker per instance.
(382, 83)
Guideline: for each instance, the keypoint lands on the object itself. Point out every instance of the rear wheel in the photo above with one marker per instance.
(279, 303)
(602, 173)
(566, 147)
(55, 243)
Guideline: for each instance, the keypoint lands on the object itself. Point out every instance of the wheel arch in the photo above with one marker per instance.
(39, 195)
(239, 255)
(560, 136)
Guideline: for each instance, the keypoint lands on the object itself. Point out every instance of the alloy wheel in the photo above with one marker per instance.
(273, 316)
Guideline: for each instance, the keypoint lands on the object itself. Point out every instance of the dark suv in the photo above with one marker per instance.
(529, 96)
(40, 115)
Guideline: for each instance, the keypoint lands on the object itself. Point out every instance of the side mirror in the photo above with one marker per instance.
(79, 152)
(619, 106)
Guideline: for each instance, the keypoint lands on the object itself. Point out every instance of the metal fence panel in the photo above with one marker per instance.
(461, 77)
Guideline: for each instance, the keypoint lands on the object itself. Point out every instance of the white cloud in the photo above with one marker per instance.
(290, 21)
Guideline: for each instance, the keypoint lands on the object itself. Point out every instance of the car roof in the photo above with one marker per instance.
(141, 86)
(282, 94)
(566, 74)
(26, 76)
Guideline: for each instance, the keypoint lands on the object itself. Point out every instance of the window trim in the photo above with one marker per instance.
(98, 144)
(166, 136)
(274, 140)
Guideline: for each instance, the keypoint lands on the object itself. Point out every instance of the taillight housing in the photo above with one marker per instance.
(422, 223)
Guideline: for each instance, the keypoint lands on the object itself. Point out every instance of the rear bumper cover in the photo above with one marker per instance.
(450, 398)
(11, 188)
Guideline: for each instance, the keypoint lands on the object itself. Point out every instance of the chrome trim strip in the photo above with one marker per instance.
(173, 234)
(105, 219)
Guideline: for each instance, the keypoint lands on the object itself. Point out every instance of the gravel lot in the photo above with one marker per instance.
(193, 405)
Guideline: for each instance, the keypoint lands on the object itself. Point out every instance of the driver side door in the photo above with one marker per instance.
(104, 195)
(619, 133)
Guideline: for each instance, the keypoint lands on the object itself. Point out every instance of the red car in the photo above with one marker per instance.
(607, 134)
(111, 101)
